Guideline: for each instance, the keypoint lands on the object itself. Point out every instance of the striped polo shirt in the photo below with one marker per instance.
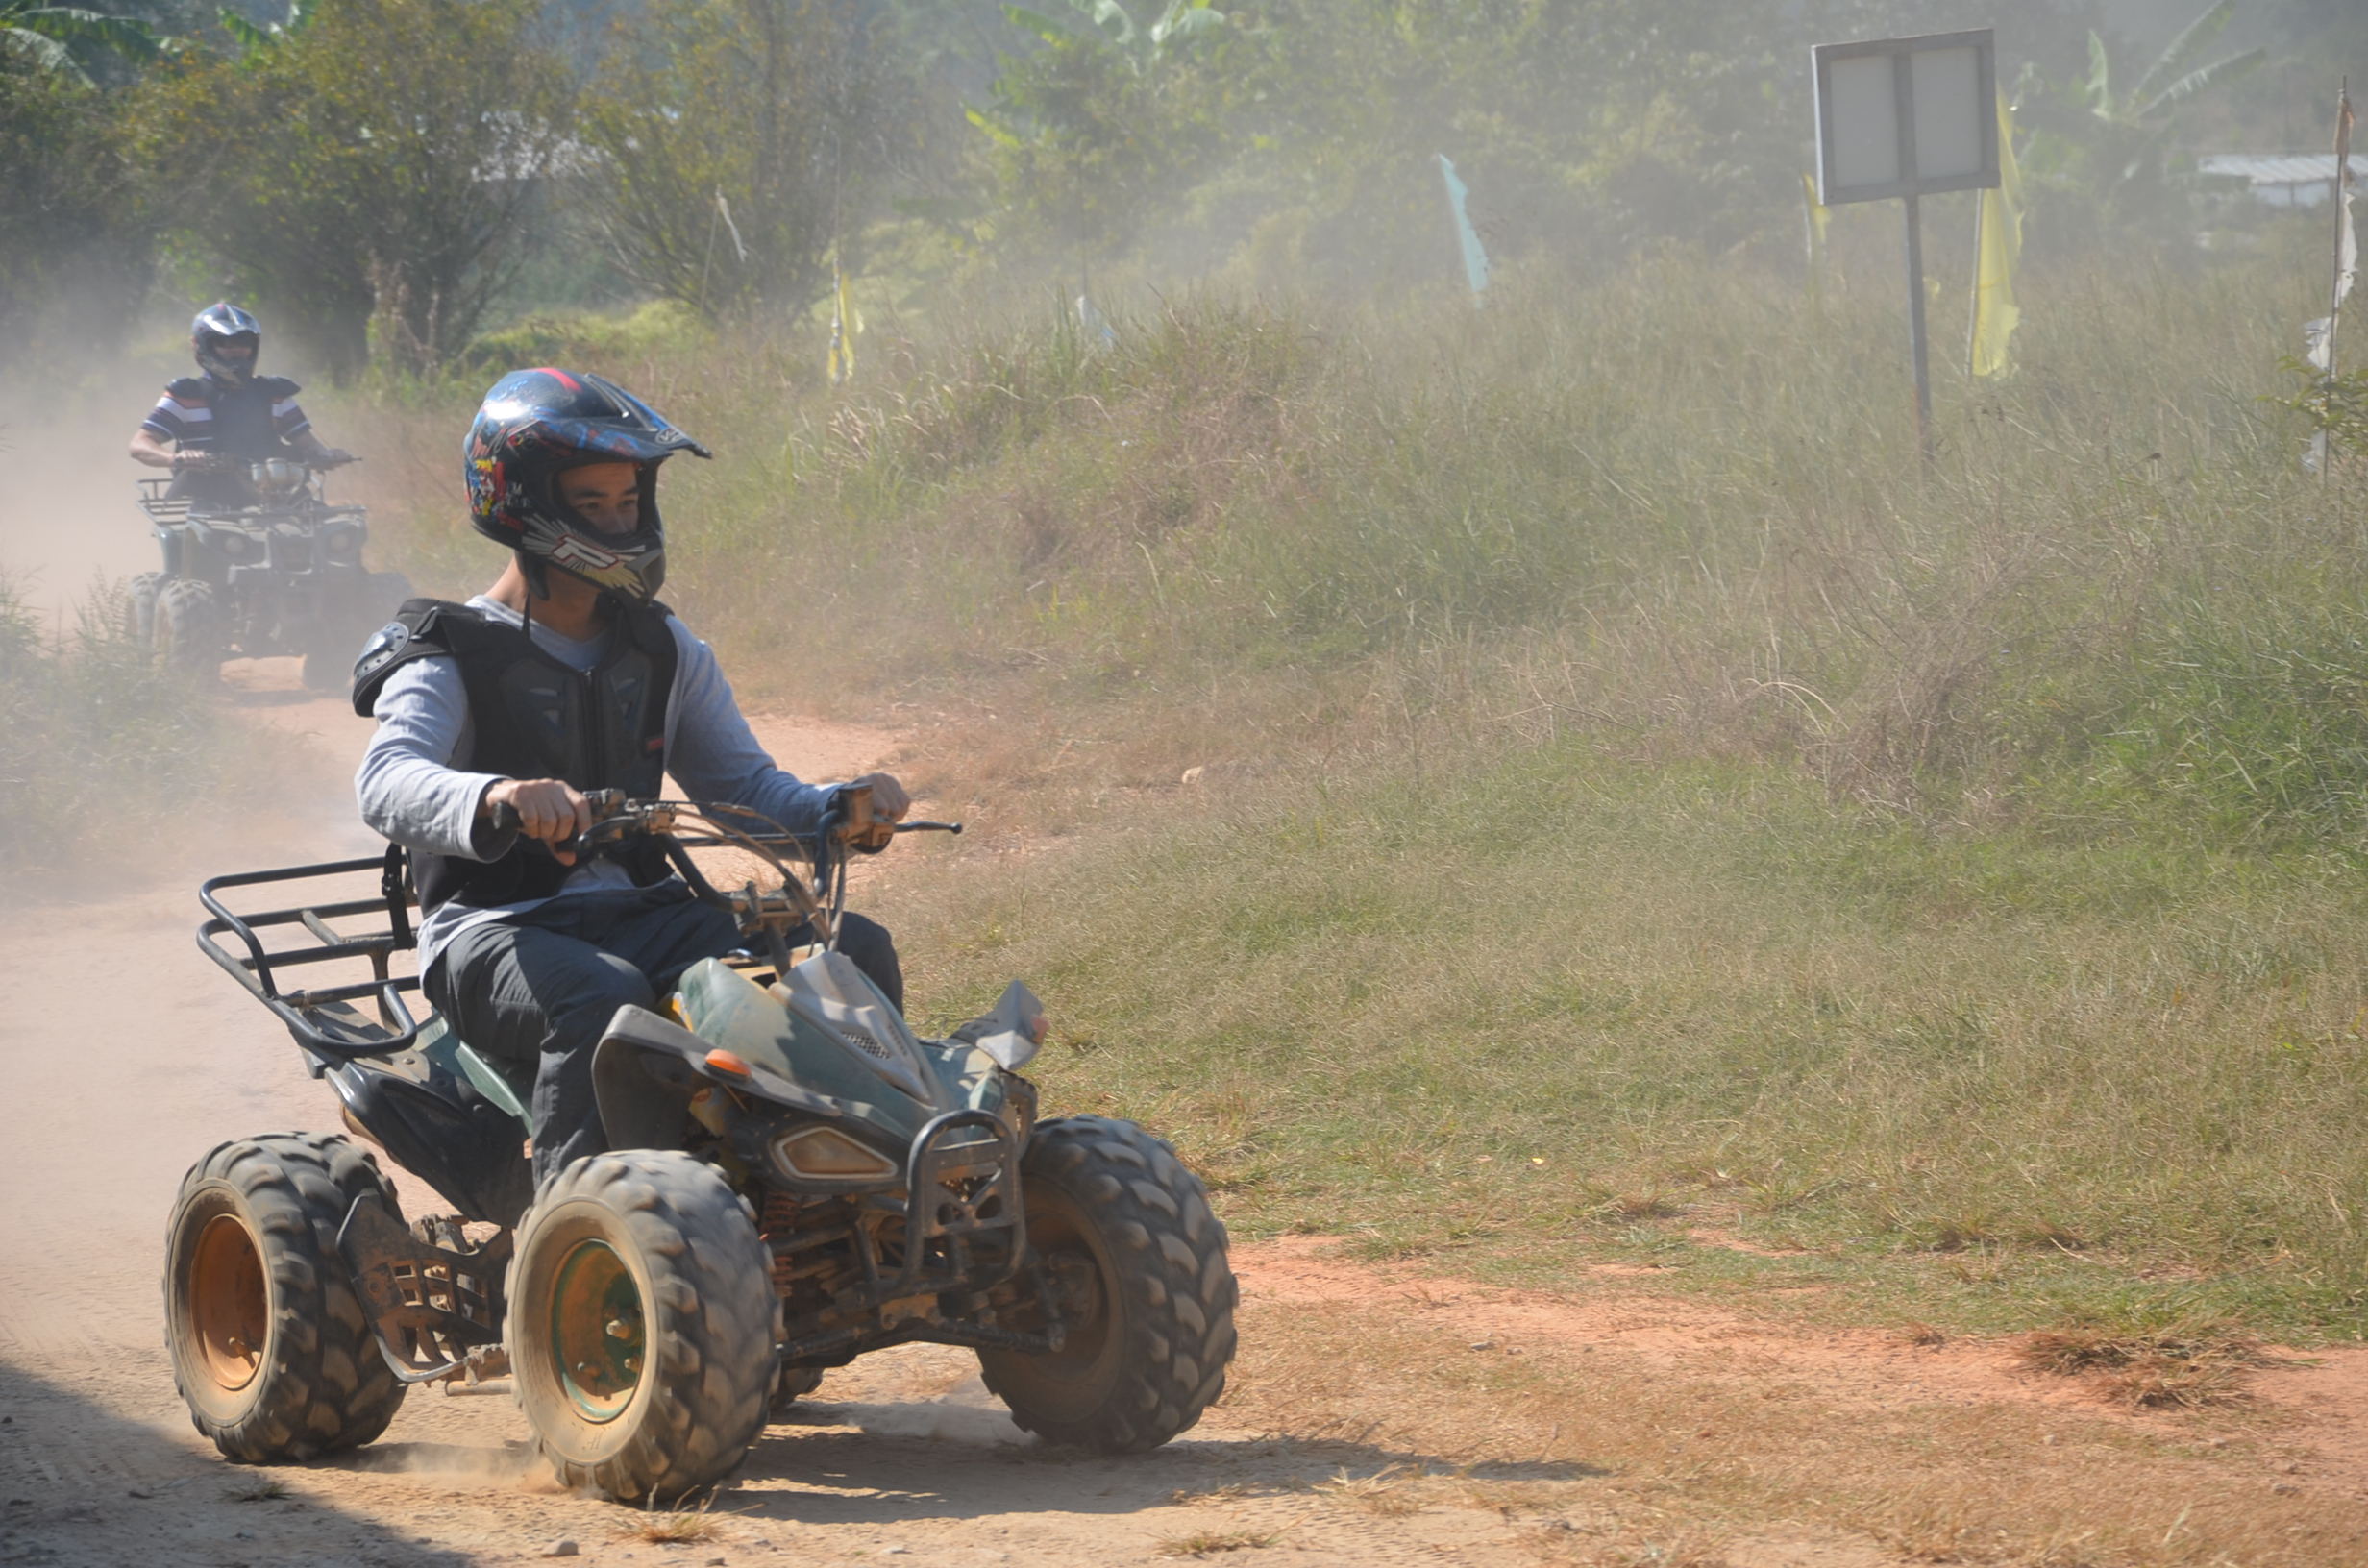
(253, 421)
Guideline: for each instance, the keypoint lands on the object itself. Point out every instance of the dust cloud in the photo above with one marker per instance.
(68, 505)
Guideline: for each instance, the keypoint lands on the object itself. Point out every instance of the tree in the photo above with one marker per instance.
(368, 166)
(77, 248)
(64, 39)
(2106, 151)
(1092, 130)
(734, 143)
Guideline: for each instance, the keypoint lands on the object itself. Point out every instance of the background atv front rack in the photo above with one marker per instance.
(323, 1017)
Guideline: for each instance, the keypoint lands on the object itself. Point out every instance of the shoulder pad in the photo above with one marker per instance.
(646, 623)
(277, 386)
(422, 629)
(185, 389)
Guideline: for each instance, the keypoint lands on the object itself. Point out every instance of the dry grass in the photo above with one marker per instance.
(677, 1526)
(1565, 1544)
(256, 1489)
(1388, 1491)
(1209, 1543)
(2149, 1371)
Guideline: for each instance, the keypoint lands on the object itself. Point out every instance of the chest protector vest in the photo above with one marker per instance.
(531, 716)
(241, 425)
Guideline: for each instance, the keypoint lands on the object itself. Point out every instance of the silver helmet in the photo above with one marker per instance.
(215, 328)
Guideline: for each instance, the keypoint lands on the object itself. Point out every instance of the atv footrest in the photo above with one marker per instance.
(429, 1304)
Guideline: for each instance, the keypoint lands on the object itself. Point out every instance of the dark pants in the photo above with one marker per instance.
(538, 990)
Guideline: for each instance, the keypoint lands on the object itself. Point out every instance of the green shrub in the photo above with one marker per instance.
(103, 745)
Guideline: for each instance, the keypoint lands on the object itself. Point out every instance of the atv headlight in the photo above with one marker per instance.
(341, 542)
(822, 1154)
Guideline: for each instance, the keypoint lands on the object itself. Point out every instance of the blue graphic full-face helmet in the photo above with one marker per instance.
(216, 327)
(535, 425)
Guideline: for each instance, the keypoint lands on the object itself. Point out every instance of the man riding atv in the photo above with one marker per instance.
(208, 429)
(566, 675)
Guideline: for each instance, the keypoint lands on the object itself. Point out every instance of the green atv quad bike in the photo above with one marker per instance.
(797, 1178)
(281, 572)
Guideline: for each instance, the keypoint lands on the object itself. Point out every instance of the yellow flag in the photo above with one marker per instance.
(2000, 246)
(845, 324)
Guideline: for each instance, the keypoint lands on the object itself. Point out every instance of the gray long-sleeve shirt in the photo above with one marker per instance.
(416, 788)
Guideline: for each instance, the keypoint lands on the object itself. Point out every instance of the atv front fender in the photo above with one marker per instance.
(647, 1068)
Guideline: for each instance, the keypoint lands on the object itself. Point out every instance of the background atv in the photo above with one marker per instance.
(283, 575)
(797, 1178)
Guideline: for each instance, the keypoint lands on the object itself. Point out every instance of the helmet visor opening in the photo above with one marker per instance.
(607, 497)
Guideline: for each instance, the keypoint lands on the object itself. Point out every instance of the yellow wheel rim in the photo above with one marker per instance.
(230, 1302)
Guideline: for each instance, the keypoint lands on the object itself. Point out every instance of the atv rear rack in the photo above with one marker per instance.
(322, 1017)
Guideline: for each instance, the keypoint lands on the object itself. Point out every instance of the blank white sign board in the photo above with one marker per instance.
(1905, 117)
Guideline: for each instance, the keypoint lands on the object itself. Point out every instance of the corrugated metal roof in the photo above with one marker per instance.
(2280, 168)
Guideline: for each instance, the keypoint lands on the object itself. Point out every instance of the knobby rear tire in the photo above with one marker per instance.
(271, 1349)
(683, 1285)
(1150, 1353)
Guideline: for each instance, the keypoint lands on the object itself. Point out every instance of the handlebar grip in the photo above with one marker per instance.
(503, 817)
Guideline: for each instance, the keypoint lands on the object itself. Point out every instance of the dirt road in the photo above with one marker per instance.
(1380, 1416)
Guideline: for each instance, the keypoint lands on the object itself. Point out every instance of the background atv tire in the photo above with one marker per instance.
(271, 1349)
(1138, 1259)
(140, 609)
(189, 627)
(642, 1325)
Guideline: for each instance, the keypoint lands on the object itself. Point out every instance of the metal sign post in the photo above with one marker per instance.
(1908, 117)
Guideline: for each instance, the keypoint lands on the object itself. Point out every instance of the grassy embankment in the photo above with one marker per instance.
(100, 747)
(1640, 812)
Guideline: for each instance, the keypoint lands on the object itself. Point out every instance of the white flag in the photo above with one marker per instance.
(2317, 338)
(2347, 251)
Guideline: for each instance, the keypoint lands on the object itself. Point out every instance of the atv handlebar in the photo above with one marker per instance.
(187, 461)
(323, 1018)
(766, 917)
(846, 824)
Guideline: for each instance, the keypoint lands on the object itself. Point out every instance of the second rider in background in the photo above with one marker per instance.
(565, 676)
(207, 429)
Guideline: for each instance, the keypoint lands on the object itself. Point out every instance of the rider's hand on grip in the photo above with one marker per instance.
(869, 809)
(545, 809)
(860, 824)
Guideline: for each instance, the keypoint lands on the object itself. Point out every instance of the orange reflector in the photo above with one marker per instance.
(1036, 1029)
(723, 1061)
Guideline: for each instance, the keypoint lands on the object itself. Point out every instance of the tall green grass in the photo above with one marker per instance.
(1639, 795)
(1542, 1004)
(1682, 500)
(104, 749)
